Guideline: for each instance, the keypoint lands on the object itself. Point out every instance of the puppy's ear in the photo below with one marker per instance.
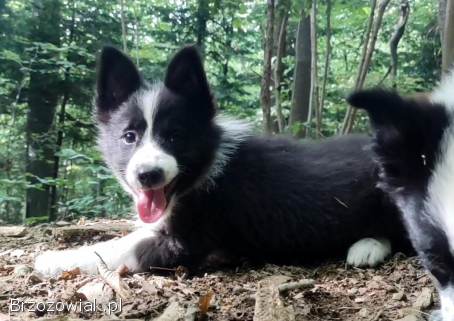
(385, 108)
(186, 75)
(117, 79)
(407, 132)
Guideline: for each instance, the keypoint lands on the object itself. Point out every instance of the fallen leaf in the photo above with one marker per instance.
(69, 275)
(204, 302)
(122, 270)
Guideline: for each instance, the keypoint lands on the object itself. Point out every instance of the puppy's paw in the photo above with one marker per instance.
(54, 263)
(368, 252)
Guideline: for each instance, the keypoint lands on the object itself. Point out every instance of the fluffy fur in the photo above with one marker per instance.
(414, 144)
(264, 198)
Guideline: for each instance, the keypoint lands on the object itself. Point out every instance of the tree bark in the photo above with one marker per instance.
(124, 36)
(327, 63)
(299, 113)
(42, 102)
(279, 66)
(366, 61)
(442, 5)
(448, 38)
(202, 18)
(313, 105)
(396, 37)
(265, 90)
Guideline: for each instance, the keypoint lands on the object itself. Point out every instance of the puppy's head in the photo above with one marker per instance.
(158, 139)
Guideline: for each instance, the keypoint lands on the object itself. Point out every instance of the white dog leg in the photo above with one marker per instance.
(368, 252)
(114, 253)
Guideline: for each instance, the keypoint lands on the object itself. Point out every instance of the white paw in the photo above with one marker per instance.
(54, 263)
(368, 252)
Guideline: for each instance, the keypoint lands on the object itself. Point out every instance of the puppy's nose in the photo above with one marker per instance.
(151, 178)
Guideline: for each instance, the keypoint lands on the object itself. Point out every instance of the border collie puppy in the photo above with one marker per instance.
(414, 144)
(203, 183)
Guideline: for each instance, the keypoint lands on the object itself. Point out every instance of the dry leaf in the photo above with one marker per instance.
(113, 279)
(122, 270)
(70, 275)
(4, 317)
(204, 302)
(6, 270)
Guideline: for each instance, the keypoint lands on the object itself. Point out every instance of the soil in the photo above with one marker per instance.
(399, 289)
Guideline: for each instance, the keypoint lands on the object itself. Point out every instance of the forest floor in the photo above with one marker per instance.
(398, 290)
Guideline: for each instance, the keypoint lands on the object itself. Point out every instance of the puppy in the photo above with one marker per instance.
(202, 182)
(414, 144)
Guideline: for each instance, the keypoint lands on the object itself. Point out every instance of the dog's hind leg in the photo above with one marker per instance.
(369, 252)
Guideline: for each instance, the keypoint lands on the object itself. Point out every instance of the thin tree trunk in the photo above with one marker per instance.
(42, 101)
(202, 18)
(314, 71)
(368, 32)
(396, 37)
(442, 5)
(124, 35)
(351, 114)
(300, 107)
(61, 124)
(136, 36)
(279, 68)
(327, 63)
(265, 92)
(448, 35)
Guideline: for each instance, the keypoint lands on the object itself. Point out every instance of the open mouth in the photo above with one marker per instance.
(152, 203)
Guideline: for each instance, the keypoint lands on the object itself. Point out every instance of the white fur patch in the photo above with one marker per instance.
(444, 94)
(114, 253)
(447, 303)
(234, 131)
(368, 252)
(147, 157)
(440, 200)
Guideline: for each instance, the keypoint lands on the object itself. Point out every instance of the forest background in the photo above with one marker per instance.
(284, 65)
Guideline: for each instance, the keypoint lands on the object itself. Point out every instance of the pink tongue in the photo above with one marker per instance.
(151, 205)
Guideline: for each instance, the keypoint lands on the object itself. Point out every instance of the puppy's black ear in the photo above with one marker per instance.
(407, 133)
(385, 108)
(186, 75)
(118, 78)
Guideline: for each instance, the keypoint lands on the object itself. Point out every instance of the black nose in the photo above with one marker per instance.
(151, 177)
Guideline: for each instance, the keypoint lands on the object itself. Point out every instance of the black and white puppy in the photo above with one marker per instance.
(203, 183)
(414, 144)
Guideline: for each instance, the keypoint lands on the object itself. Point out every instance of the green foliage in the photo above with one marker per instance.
(232, 38)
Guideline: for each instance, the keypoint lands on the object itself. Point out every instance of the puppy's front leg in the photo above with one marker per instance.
(114, 253)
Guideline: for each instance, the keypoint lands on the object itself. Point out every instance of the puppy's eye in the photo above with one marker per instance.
(130, 137)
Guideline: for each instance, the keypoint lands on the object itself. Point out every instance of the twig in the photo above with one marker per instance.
(112, 278)
(303, 284)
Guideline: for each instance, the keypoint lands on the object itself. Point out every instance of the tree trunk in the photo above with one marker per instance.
(448, 38)
(299, 113)
(327, 62)
(202, 18)
(396, 37)
(124, 36)
(61, 122)
(42, 101)
(349, 119)
(313, 105)
(279, 66)
(442, 4)
(265, 90)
